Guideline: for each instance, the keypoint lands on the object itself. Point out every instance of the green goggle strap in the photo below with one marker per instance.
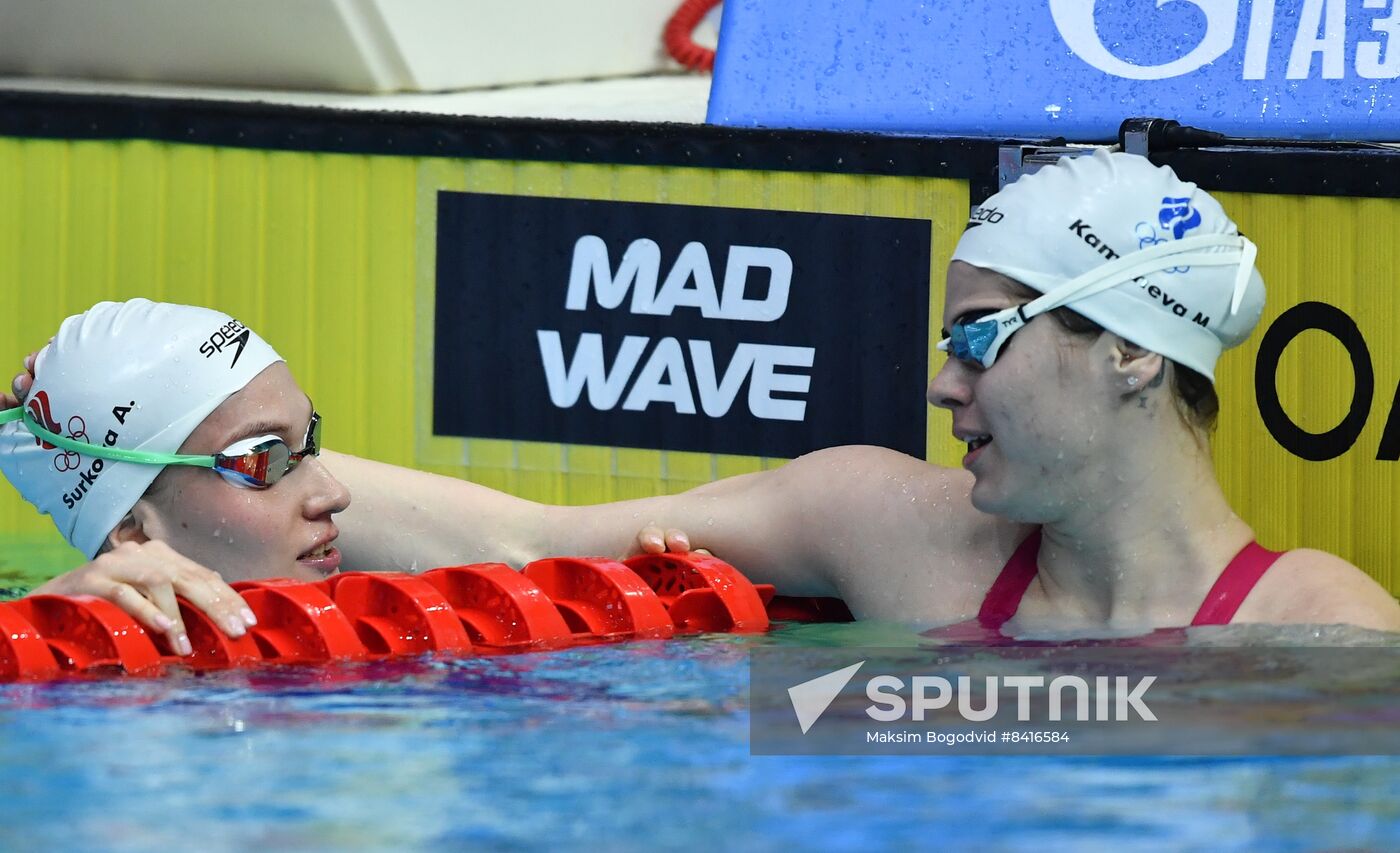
(116, 454)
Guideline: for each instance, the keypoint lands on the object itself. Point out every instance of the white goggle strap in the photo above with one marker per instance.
(1249, 252)
(1156, 258)
(1015, 318)
(1185, 252)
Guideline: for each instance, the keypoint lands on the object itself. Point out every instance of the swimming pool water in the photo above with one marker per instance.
(632, 746)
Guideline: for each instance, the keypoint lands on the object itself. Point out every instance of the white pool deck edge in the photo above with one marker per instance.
(669, 98)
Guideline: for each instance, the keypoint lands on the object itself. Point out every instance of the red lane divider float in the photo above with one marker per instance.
(601, 598)
(23, 653)
(299, 623)
(85, 633)
(396, 615)
(500, 609)
(212, 648)
(485, 608)
(702, 593)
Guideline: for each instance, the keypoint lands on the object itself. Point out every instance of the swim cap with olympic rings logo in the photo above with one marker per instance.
(137, 375)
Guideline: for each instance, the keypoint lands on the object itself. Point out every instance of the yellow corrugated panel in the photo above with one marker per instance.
(1344, 252)
(327, 256)
(314, 251)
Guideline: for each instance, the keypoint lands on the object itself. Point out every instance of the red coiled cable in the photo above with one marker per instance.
(677, 35)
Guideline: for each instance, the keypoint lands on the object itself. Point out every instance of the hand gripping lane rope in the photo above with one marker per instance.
(488, 608)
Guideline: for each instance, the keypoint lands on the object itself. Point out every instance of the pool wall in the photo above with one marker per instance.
(319, 229)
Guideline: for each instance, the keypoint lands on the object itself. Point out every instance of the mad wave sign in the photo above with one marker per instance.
(674, 327)
(1301, 68)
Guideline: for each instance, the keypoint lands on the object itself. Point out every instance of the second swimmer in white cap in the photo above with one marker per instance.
(159, 429)
(1087, 307)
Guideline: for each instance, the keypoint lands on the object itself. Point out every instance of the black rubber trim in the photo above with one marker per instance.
(320, 129)
(1361, 173)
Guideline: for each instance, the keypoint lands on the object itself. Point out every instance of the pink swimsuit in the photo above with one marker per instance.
(1219, 607)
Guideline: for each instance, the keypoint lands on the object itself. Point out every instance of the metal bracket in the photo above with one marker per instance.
(1013, 161)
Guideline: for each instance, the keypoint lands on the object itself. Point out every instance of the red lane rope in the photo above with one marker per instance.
(677, 35)
(481, 609)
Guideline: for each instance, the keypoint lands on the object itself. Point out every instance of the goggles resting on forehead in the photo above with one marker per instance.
(978, 342)
(254, 463)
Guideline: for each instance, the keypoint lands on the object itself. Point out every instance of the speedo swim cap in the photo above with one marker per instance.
(1067, 219)
(138, 375)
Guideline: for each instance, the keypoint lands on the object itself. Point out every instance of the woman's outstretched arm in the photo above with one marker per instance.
(863, 523)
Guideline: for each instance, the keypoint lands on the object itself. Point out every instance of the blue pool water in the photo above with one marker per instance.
(631, 746)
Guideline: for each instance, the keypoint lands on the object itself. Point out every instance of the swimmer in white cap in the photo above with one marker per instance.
(171, 445)
(1086, 308)
(151, 435)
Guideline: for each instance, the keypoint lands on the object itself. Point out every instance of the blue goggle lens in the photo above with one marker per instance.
(970, 341)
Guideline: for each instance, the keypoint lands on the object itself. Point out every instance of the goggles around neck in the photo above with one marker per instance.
(254, 463)
(978, 342)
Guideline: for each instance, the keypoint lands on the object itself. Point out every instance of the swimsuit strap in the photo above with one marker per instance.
(1010, 587)
(1221, 603)
(1235, 584)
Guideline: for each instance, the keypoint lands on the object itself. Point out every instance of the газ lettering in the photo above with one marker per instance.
(1321, 32)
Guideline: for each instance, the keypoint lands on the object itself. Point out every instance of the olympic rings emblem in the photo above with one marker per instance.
(69, 460)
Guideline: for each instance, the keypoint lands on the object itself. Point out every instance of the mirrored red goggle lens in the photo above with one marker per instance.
(263, 466)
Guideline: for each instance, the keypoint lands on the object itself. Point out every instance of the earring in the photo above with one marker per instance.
(1132, 380)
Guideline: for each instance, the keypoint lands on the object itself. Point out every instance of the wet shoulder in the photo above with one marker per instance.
(905, 539)
(1315, 587)
(876, 484)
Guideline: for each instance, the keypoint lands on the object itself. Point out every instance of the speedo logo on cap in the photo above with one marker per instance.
(232, 332)
(984, 216)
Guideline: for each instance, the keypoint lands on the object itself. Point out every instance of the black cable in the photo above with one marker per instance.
(1168, 135)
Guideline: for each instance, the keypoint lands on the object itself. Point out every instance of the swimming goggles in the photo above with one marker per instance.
(254, 463)
(978, 342)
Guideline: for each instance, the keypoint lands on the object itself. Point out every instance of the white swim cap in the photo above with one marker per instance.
(138, 375)
(1065, 220)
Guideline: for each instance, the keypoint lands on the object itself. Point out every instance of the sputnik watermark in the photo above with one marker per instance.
(1113, 698)
(810, 699)
(884, 690)
(1072, 700)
